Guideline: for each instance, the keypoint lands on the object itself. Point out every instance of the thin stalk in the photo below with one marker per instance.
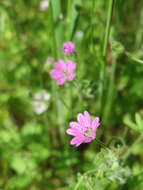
(65, 104)
(139, 34)
(116, 139)
(57, 42)
(101, 87)
(68, 19)
(91, 171)
(108, 26)
(89, 185)
(57, 27)
(5, 175)
(79, 182)
(101, 144)
(133, 58)
(78, 91)
(92, 17)
(110, 94)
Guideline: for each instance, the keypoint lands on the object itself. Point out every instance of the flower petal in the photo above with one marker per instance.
(87, 140)
(95, 123)
(60, 65)
(77, 127)
(74, 124)
(87, 119)
(80, 119)
(61, 81)
(55, 74)
(71, 66)
(71, 77)
(76, 141)
(74, 132)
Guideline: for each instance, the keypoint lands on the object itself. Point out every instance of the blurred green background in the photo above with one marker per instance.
(34, 112)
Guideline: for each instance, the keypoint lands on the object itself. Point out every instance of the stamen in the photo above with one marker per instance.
(88, 133)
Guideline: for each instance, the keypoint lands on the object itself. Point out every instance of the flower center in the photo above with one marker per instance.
(88, 133)
(66, 74)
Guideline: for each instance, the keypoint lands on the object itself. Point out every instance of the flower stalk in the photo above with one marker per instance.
(108, 25)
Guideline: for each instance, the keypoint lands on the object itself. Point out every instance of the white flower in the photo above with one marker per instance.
(39, 107)
(44, 4)
(42, 96)
(41, 102)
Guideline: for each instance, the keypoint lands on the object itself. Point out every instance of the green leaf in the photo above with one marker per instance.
(138, 126)
(39, 151)
(129, 123)
(18, 164)
(22, 163)
(73, 12)
(139, 121)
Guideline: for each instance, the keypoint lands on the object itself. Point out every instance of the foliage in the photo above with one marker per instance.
(34, 149)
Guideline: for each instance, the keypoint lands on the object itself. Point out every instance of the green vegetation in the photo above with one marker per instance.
(35, 151)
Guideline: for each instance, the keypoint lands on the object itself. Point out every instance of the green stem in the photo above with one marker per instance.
(89, 185)
(5, 175)
(92, 17)
(133, 58)
(91, 171)
(78, 90)
(116, 139)
(57, 31)
(110, 94)
(65, 104)
(68, 19)
(102, 144)
(108, 24)
(57, 27)
(101, 86)
(79, 182)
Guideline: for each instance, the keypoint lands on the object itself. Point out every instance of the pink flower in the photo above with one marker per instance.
(69, 48)
(84, 131)
(63, 71)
